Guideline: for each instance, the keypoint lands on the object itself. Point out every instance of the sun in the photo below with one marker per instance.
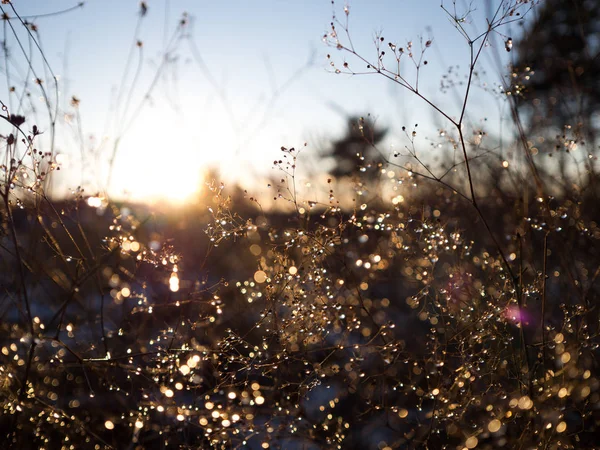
(162, 162)
(182, 187)
(144, 180)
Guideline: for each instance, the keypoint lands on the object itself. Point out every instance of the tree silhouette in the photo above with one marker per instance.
(562, 47)
(356, 151)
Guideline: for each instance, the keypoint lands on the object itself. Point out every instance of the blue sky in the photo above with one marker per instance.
(265, 83)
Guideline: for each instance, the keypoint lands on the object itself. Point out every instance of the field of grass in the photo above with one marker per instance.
(449, 304)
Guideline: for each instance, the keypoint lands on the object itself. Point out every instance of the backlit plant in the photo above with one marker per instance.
(415, 306)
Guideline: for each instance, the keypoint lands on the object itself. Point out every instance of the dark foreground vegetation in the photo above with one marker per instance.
(450, 305)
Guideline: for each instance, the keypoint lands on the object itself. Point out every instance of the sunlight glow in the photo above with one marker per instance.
(157, 166)
(182, 187)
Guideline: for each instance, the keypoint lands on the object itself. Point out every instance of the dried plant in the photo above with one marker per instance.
(453, 308)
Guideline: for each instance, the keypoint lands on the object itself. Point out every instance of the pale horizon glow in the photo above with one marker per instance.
(263, 81)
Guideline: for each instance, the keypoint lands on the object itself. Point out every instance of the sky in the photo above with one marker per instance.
(245, 79)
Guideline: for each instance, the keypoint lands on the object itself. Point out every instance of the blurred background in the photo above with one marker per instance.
(152, 95)
(381, 306)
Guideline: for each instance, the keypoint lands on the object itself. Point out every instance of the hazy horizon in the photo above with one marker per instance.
(241, 81)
